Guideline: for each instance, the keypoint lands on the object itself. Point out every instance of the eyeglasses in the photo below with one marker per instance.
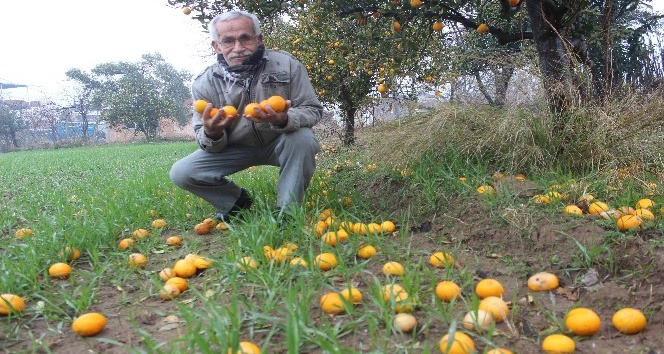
(244, 40)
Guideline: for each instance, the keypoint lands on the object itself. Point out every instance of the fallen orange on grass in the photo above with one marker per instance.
(332, 303)
(627, 222)
(174, 241)
(158, 223)
(126, 243)
(404, 322)
(558, 344)
(496, 306)
(181, 283)
(448, 290)
(23, 232)
(489, 287)
(89, 324)
(70, 253)
(583, 321)
(326, 261)
(184, 268)
(629, 320)
(202, 228)
(246, 348)
(543, 281)
(351, 294)
(169, 292)
(393, 268)
(10, 303)
(137, 260)
(59, 270)
(441, 259)
(366, 251)
(457, 343)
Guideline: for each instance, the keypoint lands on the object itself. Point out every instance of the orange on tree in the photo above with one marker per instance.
(382, 89)
(583, 321)
(396, 26)
(489, 287)
(437, 26)
(10, 303)
(332, 303)
(186, 11)
(448, 290)
(514, 2)
(416, 3)
(89, 324)
(59, 270)
(543, 281)
(558, 344)
(483, 28)
(629, 320)
(457, 343)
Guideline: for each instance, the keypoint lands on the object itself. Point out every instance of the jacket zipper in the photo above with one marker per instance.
(251, 84)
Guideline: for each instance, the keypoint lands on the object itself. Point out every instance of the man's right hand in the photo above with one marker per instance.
(215, 126)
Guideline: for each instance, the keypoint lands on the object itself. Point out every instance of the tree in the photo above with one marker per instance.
(10, 125)
(139, 94)
(84, 94)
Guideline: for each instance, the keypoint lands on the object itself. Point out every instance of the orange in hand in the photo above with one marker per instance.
(199, 106)
(277, 103)
(250, 110)
(228, 111)
(213, 112)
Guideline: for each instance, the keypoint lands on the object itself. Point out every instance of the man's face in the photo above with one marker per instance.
(237, 40)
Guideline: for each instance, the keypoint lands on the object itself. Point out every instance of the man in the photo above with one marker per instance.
(246, 72)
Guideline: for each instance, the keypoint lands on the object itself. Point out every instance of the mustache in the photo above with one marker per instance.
(238, 55)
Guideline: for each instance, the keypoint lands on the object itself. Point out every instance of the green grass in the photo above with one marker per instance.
(91, 198)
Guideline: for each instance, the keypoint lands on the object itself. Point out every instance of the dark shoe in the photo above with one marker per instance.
(243, 202)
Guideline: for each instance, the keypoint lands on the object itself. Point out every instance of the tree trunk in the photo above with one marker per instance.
(349, 127)
(482, 88)
(502, 77)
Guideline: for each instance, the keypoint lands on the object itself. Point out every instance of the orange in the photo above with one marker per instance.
(374, 228)
(137, 260)
(89, 324)
(387, 226)
(583, 321)
(299, 261)
(514, 2)
(10, 303)
(404, 322)
(597, 207)
(500, 350)
(283, 254)
(250, 110)
(332, 303)
(478, 321)
(126, 243)
(169, 292)
(627, 222)
(184, 269)
(437, 26)
(496, 306)
(416, 3)
(247, 263)
(558, 344)
(489, 287)
(393, 292)
(140, 233)
(382, 89)
(542, 199)
(23, 232)
(70, 253)
(181, 283)
(366, 251)
(482, 28)
(360, 228)
(448, 290)
(644, 214)
(213, 112)
(158, 223)
(351, 294)
(211, 221)
(342, 235)
(325, 214)
(488, 190)
(246, 348)
(573, 209)
(520, 177)
(623, 210)
(629, 320)
(187, 11)
(60, 270)
(543, 281)
(441, 259)
(396, 26)
(393, 268)
(227, 111)
(222, 226)
(174, 241)
(457, 343)
(644, 204)
(166, 273)
(277, 103)
(330, 238)
(202, 228)
(199, 262)
(326, 261)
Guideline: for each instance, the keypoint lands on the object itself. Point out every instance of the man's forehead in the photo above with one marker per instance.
(239, 25)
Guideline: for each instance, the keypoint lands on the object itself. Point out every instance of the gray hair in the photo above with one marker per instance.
(231, 15)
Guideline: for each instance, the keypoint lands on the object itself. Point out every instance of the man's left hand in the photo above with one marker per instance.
(279, 119)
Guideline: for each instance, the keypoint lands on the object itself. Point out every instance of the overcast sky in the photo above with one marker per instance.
(41, 39)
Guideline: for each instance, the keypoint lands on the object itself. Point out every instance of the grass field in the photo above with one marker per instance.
(92, 198)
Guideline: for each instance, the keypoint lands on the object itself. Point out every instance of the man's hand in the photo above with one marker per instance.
(279, 119)
(214, 126)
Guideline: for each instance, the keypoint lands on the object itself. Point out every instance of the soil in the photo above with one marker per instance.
(508, 245)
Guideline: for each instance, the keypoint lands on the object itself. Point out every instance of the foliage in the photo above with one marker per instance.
(84, 96)
(139, 94)
(10, 124)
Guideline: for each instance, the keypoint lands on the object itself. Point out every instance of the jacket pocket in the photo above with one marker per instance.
(275, 83)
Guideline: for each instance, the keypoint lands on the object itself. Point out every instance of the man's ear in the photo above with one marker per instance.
(260, 39)
(215, 46)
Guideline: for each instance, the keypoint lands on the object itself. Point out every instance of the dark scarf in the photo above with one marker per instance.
(244, 71)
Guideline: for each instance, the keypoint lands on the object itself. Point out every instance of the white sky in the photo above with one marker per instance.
(41, 39)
